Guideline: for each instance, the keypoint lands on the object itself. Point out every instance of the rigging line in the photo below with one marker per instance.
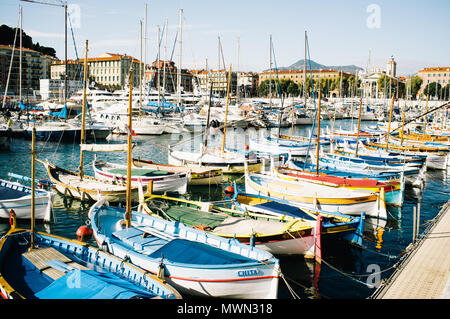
(10, 65)
(315, 107)
(75, 47)
(157, 60)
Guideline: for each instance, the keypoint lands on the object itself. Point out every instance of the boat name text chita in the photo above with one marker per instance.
(247, 273)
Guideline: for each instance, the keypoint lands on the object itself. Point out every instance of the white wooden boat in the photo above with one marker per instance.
(16, 196)
(198, 175)
(228, 162)
(343, 200)
(190, 260)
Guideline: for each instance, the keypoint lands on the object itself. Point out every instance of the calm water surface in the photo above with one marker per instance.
(346, 269)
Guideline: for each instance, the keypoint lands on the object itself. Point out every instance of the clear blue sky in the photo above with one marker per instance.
(415, 32)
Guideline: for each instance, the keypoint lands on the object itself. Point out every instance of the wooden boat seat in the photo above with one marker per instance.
(139, 240)
(42, 259)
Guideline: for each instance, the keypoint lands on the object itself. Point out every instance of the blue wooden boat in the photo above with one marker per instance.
(334, 224)
(60, 268)
(343, 171)
(36, 265)
(193, 261)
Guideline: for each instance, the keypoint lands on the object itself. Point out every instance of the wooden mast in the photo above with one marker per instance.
(129, 154)
(226, 112)
(403, 123)
(426, 116)
(33, 152)
(83, 116)
(389, 126)
(318, 136)
(359, 123)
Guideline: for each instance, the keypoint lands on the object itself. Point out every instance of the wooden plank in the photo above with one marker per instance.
(425, 274)
(38, 257)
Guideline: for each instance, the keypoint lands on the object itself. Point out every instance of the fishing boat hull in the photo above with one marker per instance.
(199, 176)
(160, 182)
(89, 188)
(350, 204)
(274, 234)
(17, 197)
(234, 165)
(333, 225)
(21, 278)
(183, 259)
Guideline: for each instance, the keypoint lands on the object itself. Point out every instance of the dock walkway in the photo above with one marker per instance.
(425, 272)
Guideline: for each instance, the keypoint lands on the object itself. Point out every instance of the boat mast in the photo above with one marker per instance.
(140, 69)
(359, 123)
(179, 60)
(33, 153)
(318, 136)
(165, 57)
(129, 154)
(158, 66)
(205, 142)
(270, 72)
(403, 123)
(83, 116)
(304, 74)
(20, 55)
(226, 111)
(389, 126)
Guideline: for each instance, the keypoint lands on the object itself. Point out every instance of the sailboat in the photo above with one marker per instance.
(227, 161)
(192, 261)
(35, 265)
(17, 196)
(81, 186)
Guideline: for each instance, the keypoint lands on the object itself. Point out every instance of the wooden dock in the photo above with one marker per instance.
(425, 272)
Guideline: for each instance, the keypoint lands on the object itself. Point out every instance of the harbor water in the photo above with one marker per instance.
(346, 271)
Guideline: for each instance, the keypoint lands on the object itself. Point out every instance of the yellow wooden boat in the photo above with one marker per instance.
(277, 235)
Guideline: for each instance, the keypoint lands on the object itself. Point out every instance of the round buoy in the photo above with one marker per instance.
(84, 233)
(229, 190)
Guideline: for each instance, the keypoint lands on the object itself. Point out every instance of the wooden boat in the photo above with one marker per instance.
(38, 265)
(381, 155)
(17, 196)
(198, 175)
(334, 224)
(408, 148)
(81, 186)
(87, 188)
(307, 194)
(436, 158)
(275, 234)
(357, 163)
(228, 163)
(61, 268)
(160, 180)
(279, 146)
(393, 190)
(343, 171)
(192, 261)
(423, 137)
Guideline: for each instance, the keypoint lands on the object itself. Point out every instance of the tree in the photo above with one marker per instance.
(263, 89)
(7, 38)
(430, 89)
(445, 92)
(293, 89)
